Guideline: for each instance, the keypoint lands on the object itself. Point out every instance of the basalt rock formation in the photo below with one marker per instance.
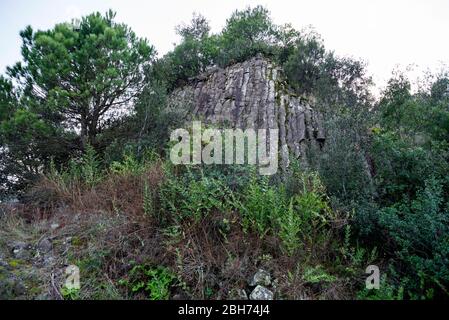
(253, 94)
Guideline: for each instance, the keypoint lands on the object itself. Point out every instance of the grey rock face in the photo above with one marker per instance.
(261, 293)
(241, 294)
(252, 94)
(261, 277)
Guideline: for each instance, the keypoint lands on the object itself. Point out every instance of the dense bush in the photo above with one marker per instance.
(418, 232)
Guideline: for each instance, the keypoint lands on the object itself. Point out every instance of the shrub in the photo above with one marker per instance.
(235, 177)
(356, 256)
(70, 293)
(86, 170)
(90, 170)
(131, 165)
(343, 163)
(402, 166)
(130, 186)
(418, 231)
(147, 199)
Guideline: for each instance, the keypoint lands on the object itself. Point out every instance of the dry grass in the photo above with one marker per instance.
(103, 228)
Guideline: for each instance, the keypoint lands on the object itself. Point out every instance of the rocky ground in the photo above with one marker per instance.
(35, 254)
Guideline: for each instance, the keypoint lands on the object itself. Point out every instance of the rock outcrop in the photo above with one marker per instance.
(253, 94)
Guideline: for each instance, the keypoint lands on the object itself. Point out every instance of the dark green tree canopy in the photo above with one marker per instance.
(84, 72)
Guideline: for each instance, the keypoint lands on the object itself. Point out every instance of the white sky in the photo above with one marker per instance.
(385, 33)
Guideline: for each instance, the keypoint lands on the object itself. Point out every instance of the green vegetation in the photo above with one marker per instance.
(83, 138)
(155, 282)
(70, 293)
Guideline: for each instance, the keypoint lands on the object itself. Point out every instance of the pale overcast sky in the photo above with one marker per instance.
(385, 33)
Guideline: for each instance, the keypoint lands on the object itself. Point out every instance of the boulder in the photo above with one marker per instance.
(261, 293)
(261, 277)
